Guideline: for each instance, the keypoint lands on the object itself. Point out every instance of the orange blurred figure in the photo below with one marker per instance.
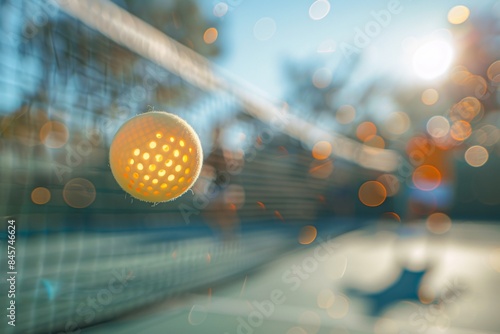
(432, 178)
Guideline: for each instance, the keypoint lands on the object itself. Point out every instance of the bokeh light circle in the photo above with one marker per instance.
(307, 235)
(476, 156)
(325, 298)
(54, 134)
(210, 35)
(40, 195)
(426, 177)
(375, 141)
(220, 9)
(319, 9)
(322, 77)
(372, 193)
(460, 130)
(487, 135)
(79, 193)
(156, 156)
(438, 126)
(458, 14)
(397, 123)
(264, 28)
(365, 130)
(340, 307)
(391, 216)
(322, 150)
(430, 96)
(438, 223)
(467, 109)
(494, 72)
(345, 114)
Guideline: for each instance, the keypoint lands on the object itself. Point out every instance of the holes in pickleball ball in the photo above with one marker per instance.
(153, 149)
(174, 188)
(163, 186)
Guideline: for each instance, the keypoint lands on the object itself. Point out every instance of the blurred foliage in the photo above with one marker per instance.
(55, 68)
(317, 90)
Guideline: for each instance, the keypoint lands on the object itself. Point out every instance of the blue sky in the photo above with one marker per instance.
(298, 37)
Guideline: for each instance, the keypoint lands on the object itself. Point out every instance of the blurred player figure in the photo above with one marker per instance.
(219, 213)
(430, 191)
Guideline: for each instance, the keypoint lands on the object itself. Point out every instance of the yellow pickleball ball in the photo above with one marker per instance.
(156, 156)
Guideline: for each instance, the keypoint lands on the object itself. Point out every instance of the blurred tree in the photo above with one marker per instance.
(179, 19)
(56, 66)
(469, 100)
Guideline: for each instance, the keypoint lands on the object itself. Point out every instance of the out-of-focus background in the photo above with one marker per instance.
(349, 184)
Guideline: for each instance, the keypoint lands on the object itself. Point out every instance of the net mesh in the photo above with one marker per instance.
(86, 251)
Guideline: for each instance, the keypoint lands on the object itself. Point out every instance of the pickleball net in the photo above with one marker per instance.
(70, 77)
